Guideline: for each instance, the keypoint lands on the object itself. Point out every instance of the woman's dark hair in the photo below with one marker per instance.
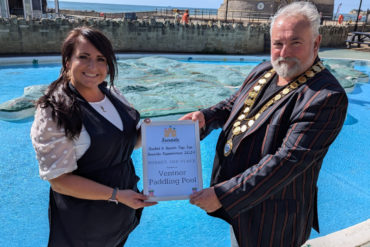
(65, 108)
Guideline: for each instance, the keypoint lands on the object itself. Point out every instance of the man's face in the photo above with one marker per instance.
(293, 46)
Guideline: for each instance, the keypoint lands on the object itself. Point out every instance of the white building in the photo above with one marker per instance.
(25, 8)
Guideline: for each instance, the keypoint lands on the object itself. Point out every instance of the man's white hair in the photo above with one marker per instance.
(306, 9)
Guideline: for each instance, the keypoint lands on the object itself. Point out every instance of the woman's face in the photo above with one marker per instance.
(87, 67)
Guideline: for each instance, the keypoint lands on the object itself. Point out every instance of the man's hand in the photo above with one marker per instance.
(194, 116)
(206, 199)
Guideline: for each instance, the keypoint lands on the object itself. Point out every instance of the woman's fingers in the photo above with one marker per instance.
(140, 201)
(133, 199)
(148, 204)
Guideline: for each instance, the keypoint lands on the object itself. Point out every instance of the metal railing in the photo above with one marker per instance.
(212, 14)
(17, 12)
(199, 15)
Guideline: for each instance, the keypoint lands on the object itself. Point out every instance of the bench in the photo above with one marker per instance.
(350, 42)
(359, 38)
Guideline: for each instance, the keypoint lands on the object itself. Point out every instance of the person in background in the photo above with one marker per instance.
(185, 17)
(177, 16)
(276, 131)
(84, 133)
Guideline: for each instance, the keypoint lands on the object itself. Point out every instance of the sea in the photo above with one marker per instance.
(125, 8)
(115, 8)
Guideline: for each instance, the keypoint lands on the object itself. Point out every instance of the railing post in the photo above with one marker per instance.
(358, 13)
(226, 9)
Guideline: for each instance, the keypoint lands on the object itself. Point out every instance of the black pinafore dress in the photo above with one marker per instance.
(87, 223)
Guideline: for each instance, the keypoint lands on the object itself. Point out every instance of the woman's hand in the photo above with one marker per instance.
(83, 188)
(194, 116)
(133, 199)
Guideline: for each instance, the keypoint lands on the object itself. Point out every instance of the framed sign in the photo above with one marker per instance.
(171, 159)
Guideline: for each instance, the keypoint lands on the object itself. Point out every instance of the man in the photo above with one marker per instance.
(276, 130)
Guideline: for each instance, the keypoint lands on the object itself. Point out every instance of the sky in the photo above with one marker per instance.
(178, 3)
(347, 5)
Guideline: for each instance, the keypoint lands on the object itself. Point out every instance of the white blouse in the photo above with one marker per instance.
(107, 110)
(56, 153)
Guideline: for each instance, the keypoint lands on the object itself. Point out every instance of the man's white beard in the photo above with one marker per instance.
(282, 68)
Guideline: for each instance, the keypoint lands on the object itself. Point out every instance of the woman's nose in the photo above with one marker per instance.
(92, 63)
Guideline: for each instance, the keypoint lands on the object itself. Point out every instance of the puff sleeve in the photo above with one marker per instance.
(55, 153)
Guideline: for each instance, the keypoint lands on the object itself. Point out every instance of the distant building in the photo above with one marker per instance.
(25, 8)
(235, 9)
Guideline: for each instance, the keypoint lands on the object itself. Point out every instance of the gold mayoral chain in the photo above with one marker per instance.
(242, 123)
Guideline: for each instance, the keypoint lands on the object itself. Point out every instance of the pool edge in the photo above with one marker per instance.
(354, 236)
(325, 54)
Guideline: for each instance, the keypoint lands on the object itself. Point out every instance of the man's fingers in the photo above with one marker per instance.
(194, 201)
(194, 116)
(196, 194)
(200, 117)
(197, 116)
(194, 198)
(187, 116)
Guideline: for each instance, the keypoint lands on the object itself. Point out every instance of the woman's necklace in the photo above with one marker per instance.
(242, 123)
(100, 104)
(102, 108)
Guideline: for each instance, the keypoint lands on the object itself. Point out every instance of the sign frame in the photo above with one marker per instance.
(145, 127)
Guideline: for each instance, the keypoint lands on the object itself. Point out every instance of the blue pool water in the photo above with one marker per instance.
(252, 63)
(344, 185)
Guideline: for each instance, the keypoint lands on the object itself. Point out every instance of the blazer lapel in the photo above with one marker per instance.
(239, 103)
(300, 81)
(265, 116)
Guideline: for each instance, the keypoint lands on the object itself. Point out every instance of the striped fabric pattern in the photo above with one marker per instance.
(268, 184)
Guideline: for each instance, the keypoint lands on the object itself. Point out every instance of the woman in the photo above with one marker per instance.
(84, 133)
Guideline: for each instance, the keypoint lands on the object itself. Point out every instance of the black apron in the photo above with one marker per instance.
(79, 222)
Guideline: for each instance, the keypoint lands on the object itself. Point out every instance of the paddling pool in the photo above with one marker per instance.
(344, 184)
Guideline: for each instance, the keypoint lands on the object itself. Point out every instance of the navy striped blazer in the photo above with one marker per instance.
(268, 184)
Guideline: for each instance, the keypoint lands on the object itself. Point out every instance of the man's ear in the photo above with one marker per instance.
(317, 42)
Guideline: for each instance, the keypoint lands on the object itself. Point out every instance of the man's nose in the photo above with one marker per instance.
(285, 52)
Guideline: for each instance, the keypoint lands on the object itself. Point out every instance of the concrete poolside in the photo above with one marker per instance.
(358, 54)
(354, 236)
